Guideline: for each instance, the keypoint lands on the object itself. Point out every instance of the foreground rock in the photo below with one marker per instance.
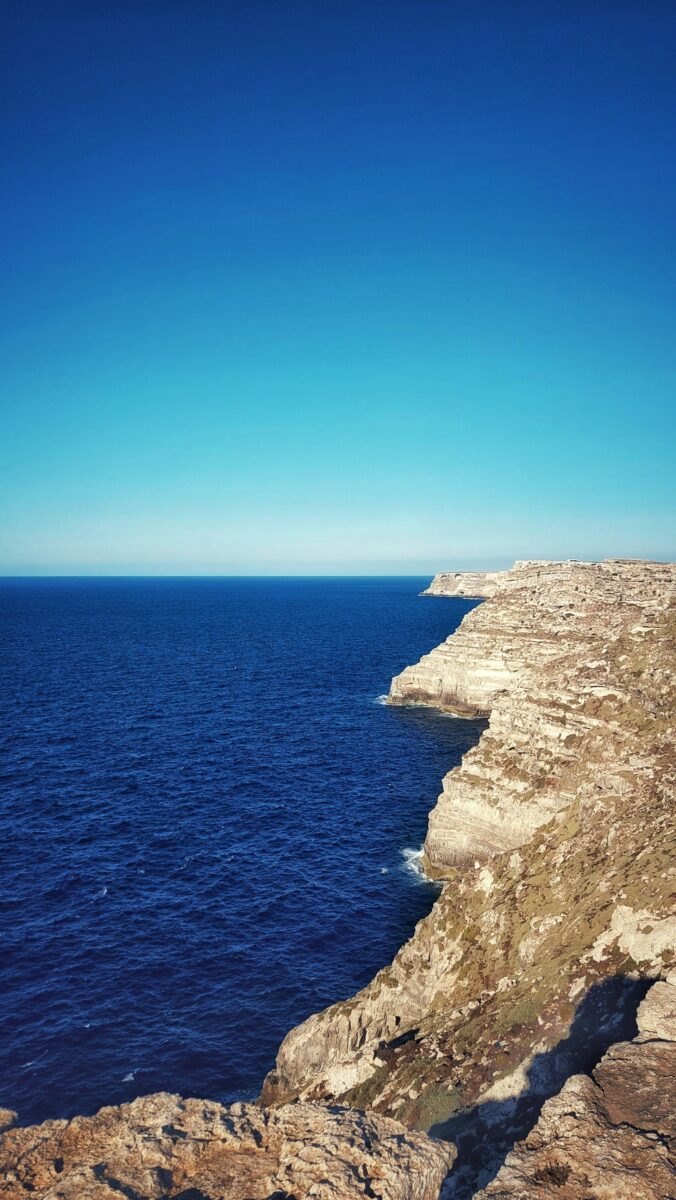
(474, 585)
(537, 952)
(611, 1136)
(160, 1146)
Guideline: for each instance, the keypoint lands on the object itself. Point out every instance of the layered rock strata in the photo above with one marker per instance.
(160, 1147)
(534, 657)
(473, 585)
(557, 851)
(611, 1136)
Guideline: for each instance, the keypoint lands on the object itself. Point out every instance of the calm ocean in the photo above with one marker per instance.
(204, 816)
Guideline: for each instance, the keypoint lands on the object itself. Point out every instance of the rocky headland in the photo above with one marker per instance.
(473, 585)
(530, 1021)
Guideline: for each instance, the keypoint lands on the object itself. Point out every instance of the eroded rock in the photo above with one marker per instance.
(611, 1136)
(161, 1147)
(535, 657)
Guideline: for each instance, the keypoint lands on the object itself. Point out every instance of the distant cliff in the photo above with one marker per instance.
(539, 657)
(471, 584)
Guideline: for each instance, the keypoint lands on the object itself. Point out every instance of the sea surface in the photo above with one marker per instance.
(205, 815)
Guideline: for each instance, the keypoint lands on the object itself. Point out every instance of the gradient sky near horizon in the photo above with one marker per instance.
(342, 287)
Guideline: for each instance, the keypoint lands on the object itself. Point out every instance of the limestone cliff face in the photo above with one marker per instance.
(471, 584)
(555, 840)
(161, 1146)
(534, 657)
(611, 1136)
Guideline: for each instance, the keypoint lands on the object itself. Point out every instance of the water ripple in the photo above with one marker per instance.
(203, 819)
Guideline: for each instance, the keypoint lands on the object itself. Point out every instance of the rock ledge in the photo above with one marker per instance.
(161, 1147)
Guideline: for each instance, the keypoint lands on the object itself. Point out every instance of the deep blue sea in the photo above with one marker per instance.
(204, 813)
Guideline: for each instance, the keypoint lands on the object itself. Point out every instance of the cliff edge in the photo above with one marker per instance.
(610, 1135)
(543, 659)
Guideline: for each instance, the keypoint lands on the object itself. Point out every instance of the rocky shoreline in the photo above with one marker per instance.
(538, 965)
(555, 841)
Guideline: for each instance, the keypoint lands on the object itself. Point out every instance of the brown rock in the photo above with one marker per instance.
(161, 1146)
(610, 1137)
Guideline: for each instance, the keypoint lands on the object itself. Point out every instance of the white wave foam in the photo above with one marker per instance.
(381, 700)
(413, 864)
(413, 861)
(130, 1077)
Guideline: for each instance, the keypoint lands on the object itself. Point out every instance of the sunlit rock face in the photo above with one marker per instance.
(554, 840)
(535, 657)
(161, 1146)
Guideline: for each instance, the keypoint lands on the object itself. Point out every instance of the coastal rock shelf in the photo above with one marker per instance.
(555, 841)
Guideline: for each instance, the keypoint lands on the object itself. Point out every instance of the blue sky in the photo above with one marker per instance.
(336, 287)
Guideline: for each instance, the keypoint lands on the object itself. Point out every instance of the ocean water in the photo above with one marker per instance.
(204, 819)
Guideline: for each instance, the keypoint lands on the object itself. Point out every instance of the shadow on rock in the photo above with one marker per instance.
(485, 1134)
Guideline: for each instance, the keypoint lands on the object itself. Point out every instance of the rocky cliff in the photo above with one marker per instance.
(555, 841)
(536, 659)
(471, 584)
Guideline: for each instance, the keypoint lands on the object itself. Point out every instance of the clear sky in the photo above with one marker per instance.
(336, 286)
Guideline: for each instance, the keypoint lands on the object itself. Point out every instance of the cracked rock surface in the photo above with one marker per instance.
(611, 1136)
(161, 1147)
